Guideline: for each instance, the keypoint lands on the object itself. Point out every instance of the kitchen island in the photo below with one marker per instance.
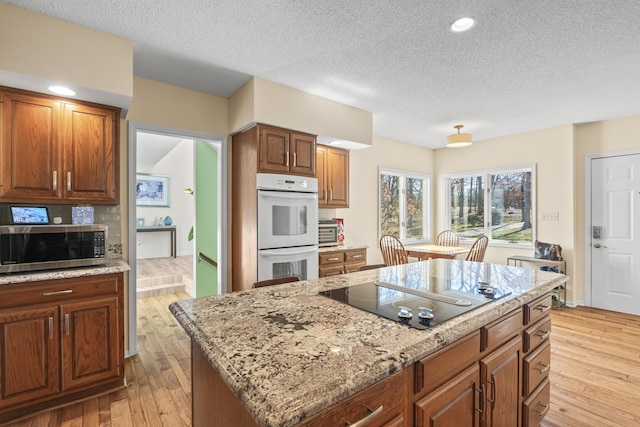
(283, 355)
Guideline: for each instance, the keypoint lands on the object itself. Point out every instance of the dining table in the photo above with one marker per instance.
(424, 252)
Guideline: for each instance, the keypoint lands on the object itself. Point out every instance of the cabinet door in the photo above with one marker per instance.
(30, 150)
(500, 376)
(321, 165)
(456, 403)
(90, 345)
(273, 150)
(29, 364)
(91, 160)
(338, 177)
(303, 154)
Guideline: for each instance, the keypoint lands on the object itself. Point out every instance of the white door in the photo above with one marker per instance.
(615, 242)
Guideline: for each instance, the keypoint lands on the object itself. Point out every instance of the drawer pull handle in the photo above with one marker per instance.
(364, 421)
(542, 412)
(66, 291)
(333, 259)
(356, 256)
(481, 391)
(493, 391)
(295, 161)
(331, 194)
(541, 367)
(66, 324)
(68, 181)
(542, 307)
(55, 180)
(544, 335)
(287, 159)
(50, 327)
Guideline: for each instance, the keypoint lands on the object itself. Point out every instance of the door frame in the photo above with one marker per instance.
(133, 128)
(587, 215)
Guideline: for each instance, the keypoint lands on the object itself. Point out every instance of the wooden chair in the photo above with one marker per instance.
(371, 267)
(478, 249)
(447, 238)
(393, 250)
(277, 281)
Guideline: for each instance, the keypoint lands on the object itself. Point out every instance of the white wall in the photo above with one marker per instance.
(178, 165)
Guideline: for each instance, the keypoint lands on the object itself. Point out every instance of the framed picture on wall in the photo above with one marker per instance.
(152, 190)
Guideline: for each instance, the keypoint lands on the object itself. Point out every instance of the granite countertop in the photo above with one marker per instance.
(289, 353)
(114, 266)
(341, 248)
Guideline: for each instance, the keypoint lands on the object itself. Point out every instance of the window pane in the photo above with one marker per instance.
(511, 207)
(390, 204)
(467, 206)
(415, 193)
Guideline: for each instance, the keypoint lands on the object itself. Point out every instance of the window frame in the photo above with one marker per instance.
(427, 204)
(487, 173)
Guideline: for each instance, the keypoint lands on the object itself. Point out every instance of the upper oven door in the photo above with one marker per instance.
(287, 219)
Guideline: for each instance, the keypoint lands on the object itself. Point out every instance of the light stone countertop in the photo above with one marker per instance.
(288, 353)
(341, 248)
(115, 266)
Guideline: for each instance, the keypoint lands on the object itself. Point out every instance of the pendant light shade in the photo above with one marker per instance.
(459, 139)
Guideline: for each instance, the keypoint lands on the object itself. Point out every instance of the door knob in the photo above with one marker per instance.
(598, 246)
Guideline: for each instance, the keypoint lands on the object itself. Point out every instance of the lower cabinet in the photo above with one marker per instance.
(500, 374)
(341, 261)
(58, 339)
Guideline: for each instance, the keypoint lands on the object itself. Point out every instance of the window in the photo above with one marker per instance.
(496, 203)
(405, 205)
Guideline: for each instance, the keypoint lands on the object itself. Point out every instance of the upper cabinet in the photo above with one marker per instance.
(56, 150)
(332, 171)
(284, 151)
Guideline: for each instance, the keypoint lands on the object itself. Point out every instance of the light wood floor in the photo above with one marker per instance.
(595, 374)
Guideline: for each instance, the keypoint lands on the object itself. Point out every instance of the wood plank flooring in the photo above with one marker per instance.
(595, 374)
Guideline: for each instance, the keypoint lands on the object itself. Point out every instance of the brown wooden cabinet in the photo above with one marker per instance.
(336, 262)
(284, 151)
(56, 150)
(332, 171)
(61, 340)
(500, 381)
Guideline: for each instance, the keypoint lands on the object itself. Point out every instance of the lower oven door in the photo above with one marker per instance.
(301, 262)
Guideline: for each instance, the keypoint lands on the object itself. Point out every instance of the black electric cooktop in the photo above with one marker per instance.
(420, 306)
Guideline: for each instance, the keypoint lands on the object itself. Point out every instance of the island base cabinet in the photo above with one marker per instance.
(456, 403)
(536, 406)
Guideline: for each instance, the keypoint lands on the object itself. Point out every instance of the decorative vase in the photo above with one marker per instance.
(168, 220)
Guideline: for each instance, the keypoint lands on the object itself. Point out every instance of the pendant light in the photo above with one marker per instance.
(459, 139)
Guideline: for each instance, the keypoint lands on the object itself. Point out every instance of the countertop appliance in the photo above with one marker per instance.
(45, 247)
(434, 301)
(287, 226)
(327, 232)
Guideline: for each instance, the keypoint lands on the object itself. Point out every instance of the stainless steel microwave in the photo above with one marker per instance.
(26, 248)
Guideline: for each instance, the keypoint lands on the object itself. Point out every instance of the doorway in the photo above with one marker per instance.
(170, 165)
(613, 234)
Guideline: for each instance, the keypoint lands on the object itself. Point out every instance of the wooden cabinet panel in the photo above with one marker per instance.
(330, 271)
(536, 334)
(537, 309)
(29, 348)
(303, 154)
(456, 403)
(536, 406)
(58, 151)
(338, 262)
(91, 159)
(536, 368)
(501, 330)
(500, 373)
(274, 150)
(30, 148)
(332, 171)
(328, 258)
(90, 344)
(321, 166)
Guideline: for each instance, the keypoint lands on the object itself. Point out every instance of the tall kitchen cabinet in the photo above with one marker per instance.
(60, 341)
(332, 171)
(260, 149)
(57, 151)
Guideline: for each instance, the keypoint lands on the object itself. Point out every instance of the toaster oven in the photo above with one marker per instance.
(327, 232)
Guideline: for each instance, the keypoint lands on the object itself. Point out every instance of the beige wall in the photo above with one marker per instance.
(38, 49)
(262, 101)
(361, 219)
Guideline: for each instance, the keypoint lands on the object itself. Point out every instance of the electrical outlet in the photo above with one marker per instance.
(550, 216)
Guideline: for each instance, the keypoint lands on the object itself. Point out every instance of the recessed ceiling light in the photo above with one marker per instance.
(61, 90)
(463, 24)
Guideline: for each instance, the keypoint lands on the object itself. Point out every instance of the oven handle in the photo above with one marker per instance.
(280, 252)
(283, 195)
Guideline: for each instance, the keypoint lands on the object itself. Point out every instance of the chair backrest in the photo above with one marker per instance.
(371, 267)
(478, 249)
(393, 251)
(447, 238)
(277, 281)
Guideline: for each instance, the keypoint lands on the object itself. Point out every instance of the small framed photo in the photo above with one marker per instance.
(140, 222)
(152, 190)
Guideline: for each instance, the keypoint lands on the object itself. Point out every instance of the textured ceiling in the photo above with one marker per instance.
(524, 66)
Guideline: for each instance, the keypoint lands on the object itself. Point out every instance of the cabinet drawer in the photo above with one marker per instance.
(329, 258)
(537, 309)
(356, 255)
(330, 270)
(433, 371)
(501, 330)
(58, 290)
(536, 406)
(536, 368)
(387, 394)
(353, 267)
(536, 334)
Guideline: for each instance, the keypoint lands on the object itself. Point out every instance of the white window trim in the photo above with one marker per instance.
(427, 203)
(446, 210)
